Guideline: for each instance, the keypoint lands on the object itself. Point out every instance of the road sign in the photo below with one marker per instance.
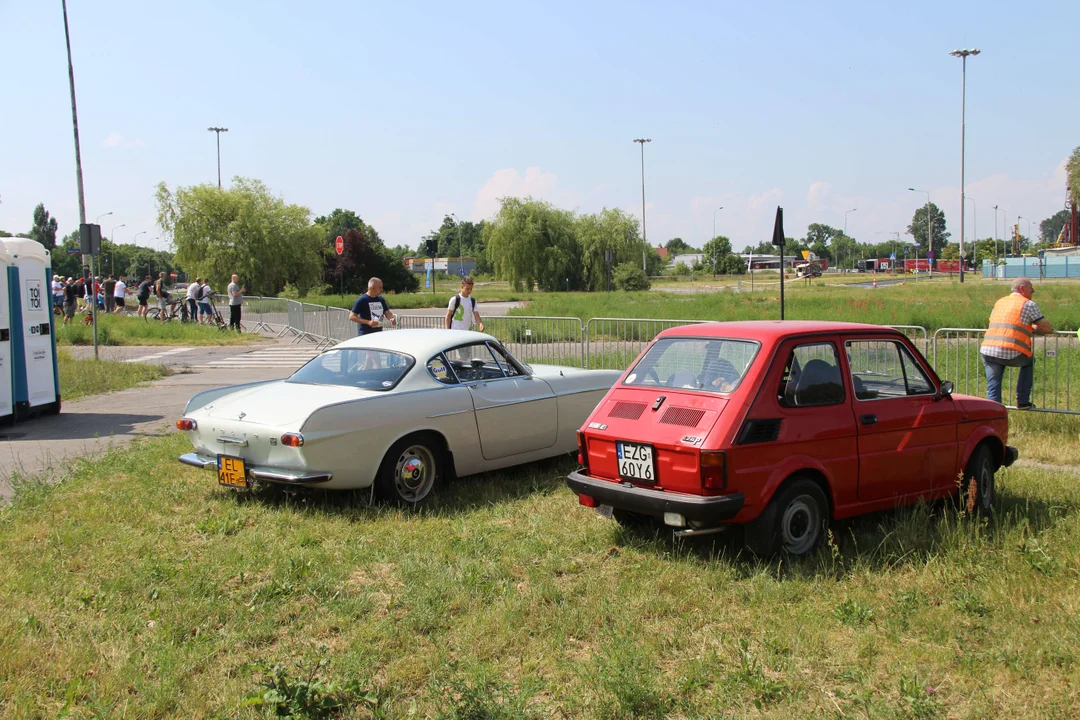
(461, 271)
(173, 275)
(74, 251)
(892, 257)
(339, 244)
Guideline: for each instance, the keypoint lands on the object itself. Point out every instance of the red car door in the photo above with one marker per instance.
(907, 433)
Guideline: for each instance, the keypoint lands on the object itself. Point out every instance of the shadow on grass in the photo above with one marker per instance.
(456, 496)
(880, 541)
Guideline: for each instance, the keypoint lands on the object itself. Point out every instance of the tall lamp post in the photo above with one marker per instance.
(112, 234)
(98, 220)
(135, 240)
(974, 232)
(714, 237)
(963, 55)
(644, 239)
(846, 213)
(929, 229)
(218, 130)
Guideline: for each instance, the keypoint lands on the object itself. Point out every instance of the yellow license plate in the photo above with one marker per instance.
(231, 471)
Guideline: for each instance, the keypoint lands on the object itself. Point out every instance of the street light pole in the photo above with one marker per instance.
(644, 238)
(218, 130)
(995, 240)
(714, 237)
(963, 55)
(98, 221)
(846, 213)
(135, 240)
(113, 233)
(929, 231)
(974, 232)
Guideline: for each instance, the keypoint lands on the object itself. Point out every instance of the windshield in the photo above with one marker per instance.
(708, 365)
(362, 368)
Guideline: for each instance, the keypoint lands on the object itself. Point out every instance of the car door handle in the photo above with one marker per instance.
(868, 419)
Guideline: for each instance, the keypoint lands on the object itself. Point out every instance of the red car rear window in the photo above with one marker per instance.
(712, 365)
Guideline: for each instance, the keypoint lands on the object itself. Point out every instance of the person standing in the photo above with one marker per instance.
(236, 299)
(462, 312)
(119, 294)
(143, 297)
(191, 301)
(58, 291)
(370, 308)
(108, 287)
(71, 300)
(204, 297)
(1009, 342)
(162, 293)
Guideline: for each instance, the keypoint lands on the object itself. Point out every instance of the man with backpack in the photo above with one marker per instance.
(163, 297)
(462, 312)
(143, 296)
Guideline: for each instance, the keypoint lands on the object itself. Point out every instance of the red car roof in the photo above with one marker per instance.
(769, 329)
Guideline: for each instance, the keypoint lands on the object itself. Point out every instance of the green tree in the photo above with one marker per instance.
(244, 230)
(1051, 227)
(682, 270)
(1072, 176)
(630, 277)
(845, 250)
(532, 243)
(719, 247)
(917, 229)
(820, 233)
(950, 252)
(677, 246)
(731, 265)
(338, 223)
(608, 239)
(44, 229)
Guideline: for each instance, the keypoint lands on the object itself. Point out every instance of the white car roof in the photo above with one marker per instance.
(421, 344)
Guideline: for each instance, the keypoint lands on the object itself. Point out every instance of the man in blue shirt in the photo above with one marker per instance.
(370, 308)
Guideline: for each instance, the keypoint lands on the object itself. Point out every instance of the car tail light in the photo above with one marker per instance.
(186, 424)
(586, 500)
(292, 439)
(713, 470)
(582, 453)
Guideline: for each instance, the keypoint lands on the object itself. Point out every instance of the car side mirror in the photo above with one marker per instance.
(946, 389)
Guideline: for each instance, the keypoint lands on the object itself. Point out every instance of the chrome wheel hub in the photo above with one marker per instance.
(414, 473)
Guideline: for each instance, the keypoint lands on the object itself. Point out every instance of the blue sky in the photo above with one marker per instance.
(406, 111)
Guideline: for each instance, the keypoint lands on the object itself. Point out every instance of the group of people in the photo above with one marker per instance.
(371, 311)
(75, 294)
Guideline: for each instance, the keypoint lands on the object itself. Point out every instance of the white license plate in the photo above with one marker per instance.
(636, 461)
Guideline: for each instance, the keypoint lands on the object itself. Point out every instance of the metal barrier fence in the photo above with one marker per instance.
(956, 356)
(614, 343)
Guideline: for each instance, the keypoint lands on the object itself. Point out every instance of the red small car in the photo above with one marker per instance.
(781, 426)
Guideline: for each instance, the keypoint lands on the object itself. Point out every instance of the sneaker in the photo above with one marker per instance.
(1025, 406)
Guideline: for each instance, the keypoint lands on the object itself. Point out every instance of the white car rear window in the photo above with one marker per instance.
(363, 368)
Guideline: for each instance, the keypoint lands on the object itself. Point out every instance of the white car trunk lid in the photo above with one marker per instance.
(280, 404)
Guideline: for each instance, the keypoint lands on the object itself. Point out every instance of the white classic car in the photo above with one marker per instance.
(397, 411)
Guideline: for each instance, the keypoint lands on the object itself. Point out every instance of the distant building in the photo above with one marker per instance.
(449, 265)
(662, 252)
(687, 259)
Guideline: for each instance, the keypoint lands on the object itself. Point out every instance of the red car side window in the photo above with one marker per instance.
(811, 377)
(884, 369)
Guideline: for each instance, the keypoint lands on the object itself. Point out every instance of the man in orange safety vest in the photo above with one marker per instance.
(1009, 342)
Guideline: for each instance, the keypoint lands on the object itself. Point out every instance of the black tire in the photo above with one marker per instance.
(794, 521)
(411, 470)
(978, 490)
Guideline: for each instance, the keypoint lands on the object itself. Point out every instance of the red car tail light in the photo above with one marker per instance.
(582, 453)
(292, 439)
(586, 500)
(714, 470)
(186, 424)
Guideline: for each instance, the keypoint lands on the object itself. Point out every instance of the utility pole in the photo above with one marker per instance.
(644, 238)
(963, 55)
(846, 213)
(218, 130)
(86, 262)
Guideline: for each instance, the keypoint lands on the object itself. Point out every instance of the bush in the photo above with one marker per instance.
(630, 277)
(681, 269)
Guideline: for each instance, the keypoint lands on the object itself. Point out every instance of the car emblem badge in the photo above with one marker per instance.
(242, 416)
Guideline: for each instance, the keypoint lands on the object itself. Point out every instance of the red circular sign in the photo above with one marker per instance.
(339, 244)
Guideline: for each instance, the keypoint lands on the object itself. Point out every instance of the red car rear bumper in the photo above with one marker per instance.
(700, 508)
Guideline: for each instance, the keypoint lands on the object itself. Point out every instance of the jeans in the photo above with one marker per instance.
(995, 370)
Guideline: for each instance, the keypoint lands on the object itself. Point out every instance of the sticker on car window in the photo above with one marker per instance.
(386, 383)
(437, 369)
(631, 377)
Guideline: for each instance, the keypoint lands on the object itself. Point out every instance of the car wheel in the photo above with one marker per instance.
(794, 521)
(410, 471)
(977, 493)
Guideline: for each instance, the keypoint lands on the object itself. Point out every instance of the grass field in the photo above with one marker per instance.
(79, 378)
(139, 589)
(495, 292)
(935, 304)
(125, 330)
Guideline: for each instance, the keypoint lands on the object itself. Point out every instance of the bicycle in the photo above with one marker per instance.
(172, 311)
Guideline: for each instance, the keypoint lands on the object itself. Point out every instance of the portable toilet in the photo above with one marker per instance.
(35, 380)
(7, 401)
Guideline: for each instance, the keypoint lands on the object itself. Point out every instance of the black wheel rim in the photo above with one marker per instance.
(800, 525)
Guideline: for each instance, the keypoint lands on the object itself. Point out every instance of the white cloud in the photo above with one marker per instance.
(508, 182)
(115, 139)
(818, 193)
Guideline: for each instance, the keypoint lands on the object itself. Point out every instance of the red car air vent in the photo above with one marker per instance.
(627, 410)
(687, 417)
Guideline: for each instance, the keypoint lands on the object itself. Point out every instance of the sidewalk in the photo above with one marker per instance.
(90, 426)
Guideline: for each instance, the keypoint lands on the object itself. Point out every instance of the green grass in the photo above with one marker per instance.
(129, 330)
(439, 299)
(138, 588)
(933, 305)
(79, 378)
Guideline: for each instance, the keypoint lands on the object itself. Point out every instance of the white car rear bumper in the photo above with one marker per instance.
(257, 472)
